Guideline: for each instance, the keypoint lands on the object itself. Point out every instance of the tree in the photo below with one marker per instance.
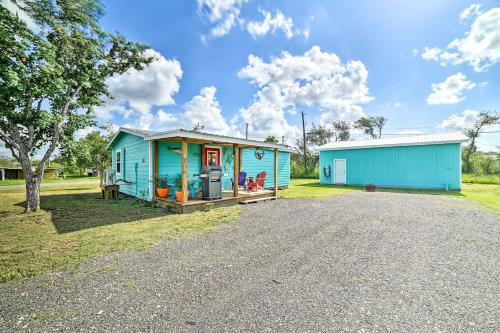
(371, 126)
(341, 130)
(485, 119)
(271, 139)
(51, 78)
(318, 136)
(101, 156)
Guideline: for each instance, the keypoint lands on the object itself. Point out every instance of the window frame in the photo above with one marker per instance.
(119, 152)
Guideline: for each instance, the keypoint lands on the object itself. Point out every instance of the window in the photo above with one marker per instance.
(212, 156)
(118, 162)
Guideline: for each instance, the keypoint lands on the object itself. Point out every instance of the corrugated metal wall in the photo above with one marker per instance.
(426, 166)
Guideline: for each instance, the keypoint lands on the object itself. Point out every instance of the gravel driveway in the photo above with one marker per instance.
(354, 262)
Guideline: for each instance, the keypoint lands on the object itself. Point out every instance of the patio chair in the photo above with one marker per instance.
(242, 180)
(258, 183)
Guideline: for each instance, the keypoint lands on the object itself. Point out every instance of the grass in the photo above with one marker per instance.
(477, 179)
(49, 180)
(486, 194)
(75, 225)
(311, 188)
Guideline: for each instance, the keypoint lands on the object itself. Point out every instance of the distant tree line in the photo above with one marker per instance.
(339, 130)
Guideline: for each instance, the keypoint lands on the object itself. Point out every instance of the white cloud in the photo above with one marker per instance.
(460, 122)
(222, 14)
(410, 132)
(314, 79)
(165, 117)
(25, 17)
(136, 92)
(271, 24)
(480, 47)
(205, 109)
(451, 90)
(470, 12)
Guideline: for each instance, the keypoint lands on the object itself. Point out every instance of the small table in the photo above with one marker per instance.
(110, 192)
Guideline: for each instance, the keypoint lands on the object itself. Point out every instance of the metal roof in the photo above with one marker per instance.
(415, 140)
(181, 133)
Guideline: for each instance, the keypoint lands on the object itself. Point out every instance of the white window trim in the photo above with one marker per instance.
(121, 162)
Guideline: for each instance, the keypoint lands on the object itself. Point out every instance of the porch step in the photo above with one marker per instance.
(249, 201)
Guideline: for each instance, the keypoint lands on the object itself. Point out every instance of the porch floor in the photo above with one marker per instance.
(227, 200)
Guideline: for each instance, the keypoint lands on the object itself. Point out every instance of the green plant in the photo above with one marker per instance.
(161, 182)
(178, 182)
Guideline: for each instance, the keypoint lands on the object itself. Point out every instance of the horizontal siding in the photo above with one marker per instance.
(425, 166)
(135, 151)
(252, 166)
(170, 162)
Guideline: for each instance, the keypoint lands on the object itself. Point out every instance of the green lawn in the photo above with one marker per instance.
(49, 180)
(486, 194)
(470, 178)
(311, 188)
(76, 224)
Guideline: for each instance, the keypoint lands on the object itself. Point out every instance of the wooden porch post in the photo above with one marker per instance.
(236, 154)
(184, 170)
(275, 172)
(155, 166)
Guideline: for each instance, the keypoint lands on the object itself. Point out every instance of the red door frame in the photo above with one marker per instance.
(213, 149)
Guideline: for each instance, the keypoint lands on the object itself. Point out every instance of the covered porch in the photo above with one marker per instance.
(184, 142)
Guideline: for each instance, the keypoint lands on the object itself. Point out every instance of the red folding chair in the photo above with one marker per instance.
(258, 183)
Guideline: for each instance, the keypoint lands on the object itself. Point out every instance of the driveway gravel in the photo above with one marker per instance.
(358, 262)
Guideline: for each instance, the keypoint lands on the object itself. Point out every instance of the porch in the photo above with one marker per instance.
(228, 199)
(195, 150)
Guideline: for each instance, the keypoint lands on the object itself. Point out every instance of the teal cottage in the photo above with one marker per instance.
(139, 157)
(421, 161)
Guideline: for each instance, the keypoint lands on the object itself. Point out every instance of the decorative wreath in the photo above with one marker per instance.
(259, 153)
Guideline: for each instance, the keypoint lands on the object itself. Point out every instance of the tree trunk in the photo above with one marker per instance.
(32, 194)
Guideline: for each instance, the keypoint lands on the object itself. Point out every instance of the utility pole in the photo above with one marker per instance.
(304, 140)
(246, 131)
(283, 140)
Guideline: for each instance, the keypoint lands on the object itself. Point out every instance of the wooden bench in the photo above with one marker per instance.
(110, 192)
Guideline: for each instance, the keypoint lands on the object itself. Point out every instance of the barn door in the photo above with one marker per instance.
(340, 171)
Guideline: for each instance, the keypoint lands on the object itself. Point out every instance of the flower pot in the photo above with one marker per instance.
(162, 192)
(178, 195)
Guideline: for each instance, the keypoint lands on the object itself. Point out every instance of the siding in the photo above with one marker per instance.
(252, 166)
(170, 162)
(426, 166)
(135, 152)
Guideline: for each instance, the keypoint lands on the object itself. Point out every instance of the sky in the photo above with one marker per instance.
(427, 66)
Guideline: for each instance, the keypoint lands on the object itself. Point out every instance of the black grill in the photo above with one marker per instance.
(211, 182)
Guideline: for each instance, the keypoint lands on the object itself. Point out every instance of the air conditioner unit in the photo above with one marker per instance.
(109, 177)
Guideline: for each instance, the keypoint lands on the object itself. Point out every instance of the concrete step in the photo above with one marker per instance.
(249, 201)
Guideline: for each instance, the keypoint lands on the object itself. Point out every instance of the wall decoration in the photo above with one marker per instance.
(176, 150)
(259, 153)
(228, 158)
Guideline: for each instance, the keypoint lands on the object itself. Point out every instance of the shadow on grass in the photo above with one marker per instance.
(79, 211)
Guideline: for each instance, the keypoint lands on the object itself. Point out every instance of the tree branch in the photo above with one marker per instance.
(56, 133)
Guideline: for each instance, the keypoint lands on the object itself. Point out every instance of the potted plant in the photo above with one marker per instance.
(178, 184)
(162, 187)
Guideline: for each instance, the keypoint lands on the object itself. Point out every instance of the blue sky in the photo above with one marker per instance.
(345, 59)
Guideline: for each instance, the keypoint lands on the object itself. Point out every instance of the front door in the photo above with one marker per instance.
(212, 156)
(340, 172)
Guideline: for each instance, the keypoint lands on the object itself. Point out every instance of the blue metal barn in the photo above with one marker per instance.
(422, 162)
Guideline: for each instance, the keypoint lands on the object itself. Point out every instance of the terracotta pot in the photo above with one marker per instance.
(178, 195)
(162, 192)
